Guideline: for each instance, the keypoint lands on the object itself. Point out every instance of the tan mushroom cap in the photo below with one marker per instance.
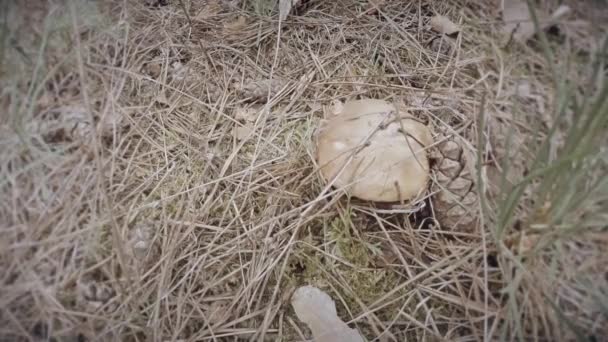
(374, 152)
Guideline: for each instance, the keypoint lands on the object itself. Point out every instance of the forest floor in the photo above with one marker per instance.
(158, 179)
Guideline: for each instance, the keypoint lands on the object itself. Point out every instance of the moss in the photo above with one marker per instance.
(357, 280)
(367, 282)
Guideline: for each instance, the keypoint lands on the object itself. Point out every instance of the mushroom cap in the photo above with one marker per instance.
(375, 152)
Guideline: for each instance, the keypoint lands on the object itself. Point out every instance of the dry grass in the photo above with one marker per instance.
(135, 206)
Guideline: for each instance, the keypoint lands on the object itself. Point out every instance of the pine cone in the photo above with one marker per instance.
(455, 201)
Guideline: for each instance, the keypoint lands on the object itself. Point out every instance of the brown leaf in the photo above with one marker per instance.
(443, 25)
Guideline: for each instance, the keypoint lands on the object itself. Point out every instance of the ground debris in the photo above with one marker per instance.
(285, 7)
(444, 25)
(518, 22)
(260, 90)
(315, 308)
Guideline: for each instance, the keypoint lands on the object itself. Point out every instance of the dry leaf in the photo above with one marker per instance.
(522, 243)
(110, 121)
(180, 71)
(578, 32)
(519, 23)
(316, 308)
(376, 3)
(93, 294)
(285, 7)
(156, 3)
(77, 120)
(561, 11)
(161, 98)
(442, 44)
(242, 132)
(217, 312)
(315, 106)
(45, 101)
(212, 9)
(516, 17)
(261, 89)
(353, 74)
(73, 122)
(527, 243)
(236, 26)
(141, 240)
(373, 7)
(247, 114)
(443, 25)
(524, 90)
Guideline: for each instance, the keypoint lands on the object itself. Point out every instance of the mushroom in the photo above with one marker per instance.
(374, 151)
